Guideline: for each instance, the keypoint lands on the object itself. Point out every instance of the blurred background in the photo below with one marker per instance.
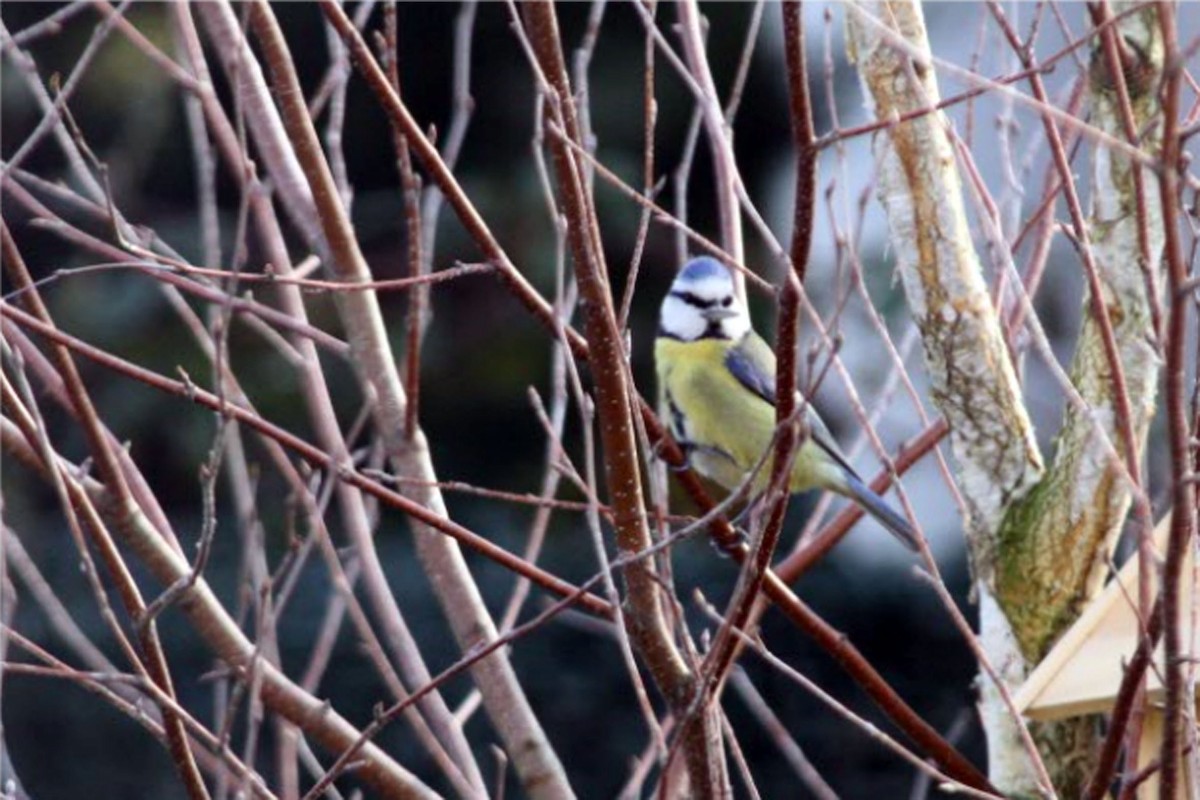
(483, 352)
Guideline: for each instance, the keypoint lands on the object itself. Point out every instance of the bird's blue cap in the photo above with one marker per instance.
(703, 267)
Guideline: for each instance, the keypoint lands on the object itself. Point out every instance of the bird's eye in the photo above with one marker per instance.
(727, 302)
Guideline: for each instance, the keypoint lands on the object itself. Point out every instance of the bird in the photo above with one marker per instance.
(716, 382)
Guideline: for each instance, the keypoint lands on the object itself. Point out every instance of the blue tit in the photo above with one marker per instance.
(716, 380)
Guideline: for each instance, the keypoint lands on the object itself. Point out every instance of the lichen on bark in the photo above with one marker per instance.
(1039, 540)
(1057, 541)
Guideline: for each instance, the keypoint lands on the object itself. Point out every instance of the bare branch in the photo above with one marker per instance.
(534, 759)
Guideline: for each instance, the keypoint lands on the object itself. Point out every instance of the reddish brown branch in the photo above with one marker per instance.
(778, 592)
(848, 656)
(314, 455)
(722, 533)
(124, 508)
(758, 563)
(754, 570)
(1179, 434)
(1120, 389)
(804, 139)
(320, 722)
(644, 614)
(109, 686)
(1121, 68)
(411, 190)
(1123, 707)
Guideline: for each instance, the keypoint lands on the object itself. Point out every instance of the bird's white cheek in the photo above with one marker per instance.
(681, 320)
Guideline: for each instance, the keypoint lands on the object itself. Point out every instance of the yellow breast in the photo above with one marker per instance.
(728, 427)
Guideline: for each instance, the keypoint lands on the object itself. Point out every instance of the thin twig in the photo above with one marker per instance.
(859, 722)
(125, 506)
(783, 740)
(1179, 434)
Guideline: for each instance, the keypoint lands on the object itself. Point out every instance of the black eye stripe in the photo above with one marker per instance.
(694, 300)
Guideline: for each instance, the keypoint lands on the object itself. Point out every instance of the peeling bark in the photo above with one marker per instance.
(1039, 540)
(974, 383)
(1057, 541)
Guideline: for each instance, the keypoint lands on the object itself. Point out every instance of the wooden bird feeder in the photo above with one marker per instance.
(1082, 673)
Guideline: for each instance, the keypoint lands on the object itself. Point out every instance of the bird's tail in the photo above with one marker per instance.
(880, 510)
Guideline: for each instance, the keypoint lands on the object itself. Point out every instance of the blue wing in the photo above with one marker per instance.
(752, 362)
